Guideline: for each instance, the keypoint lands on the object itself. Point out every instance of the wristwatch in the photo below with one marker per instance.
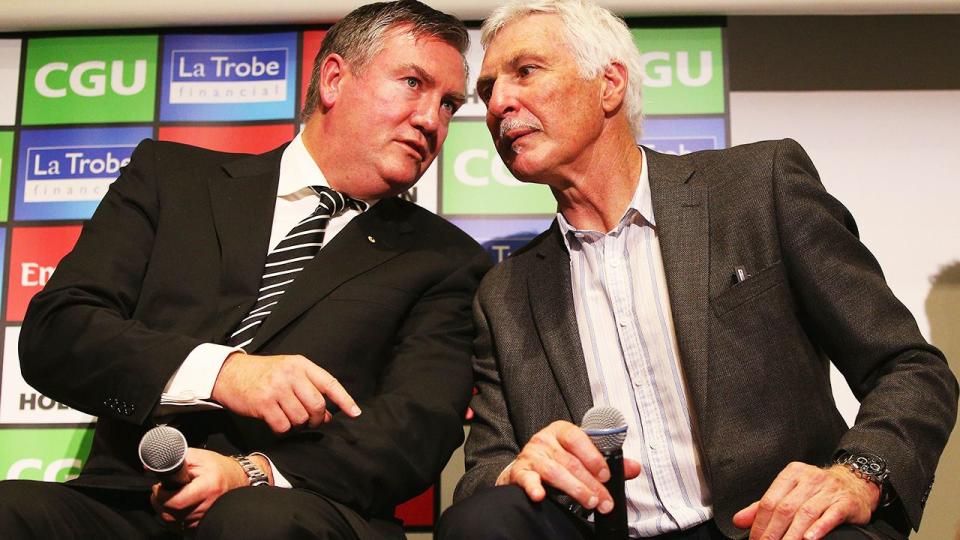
(254, 474)
(869, 467)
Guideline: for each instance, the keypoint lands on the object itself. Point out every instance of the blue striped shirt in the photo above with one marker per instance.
(630, 348)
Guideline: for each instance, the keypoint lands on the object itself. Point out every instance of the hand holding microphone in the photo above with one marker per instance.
(561, 455)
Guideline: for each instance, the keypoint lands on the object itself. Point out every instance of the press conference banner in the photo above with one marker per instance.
(73, 108)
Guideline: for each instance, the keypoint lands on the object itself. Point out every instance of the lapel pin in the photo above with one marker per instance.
(372, 239)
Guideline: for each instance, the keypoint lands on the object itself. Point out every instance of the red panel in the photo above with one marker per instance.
(418, 511)
(34, 254)
(248, 139)
(311, 46)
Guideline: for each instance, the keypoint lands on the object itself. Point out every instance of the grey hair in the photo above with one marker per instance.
(595, 36)
(361, 35)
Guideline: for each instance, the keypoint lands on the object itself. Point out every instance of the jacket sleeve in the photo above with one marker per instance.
(412, 424)
(492, 444)
(908, 394)
(79, 343)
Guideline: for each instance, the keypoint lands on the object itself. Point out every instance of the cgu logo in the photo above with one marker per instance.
(51, 473)
(495, 167)
(89, 79)
(660, 75)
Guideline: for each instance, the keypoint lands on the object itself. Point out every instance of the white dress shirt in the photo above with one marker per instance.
(191, 386)
(630, 348)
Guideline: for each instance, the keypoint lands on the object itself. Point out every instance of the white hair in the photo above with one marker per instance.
(596, 38)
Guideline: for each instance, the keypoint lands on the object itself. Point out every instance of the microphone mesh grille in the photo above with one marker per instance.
(162, 448)
(599, 421)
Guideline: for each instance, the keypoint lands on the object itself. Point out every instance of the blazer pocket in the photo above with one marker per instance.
(765, 279)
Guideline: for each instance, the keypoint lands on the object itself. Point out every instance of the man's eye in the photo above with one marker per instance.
(526, 70)
(412, 82)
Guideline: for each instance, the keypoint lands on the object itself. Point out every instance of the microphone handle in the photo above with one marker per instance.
(613, 526)
(175, 479)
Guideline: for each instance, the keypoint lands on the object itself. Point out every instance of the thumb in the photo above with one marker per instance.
(744, 518)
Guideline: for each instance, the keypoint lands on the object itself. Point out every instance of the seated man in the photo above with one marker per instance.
(338, 374)
(704, 296)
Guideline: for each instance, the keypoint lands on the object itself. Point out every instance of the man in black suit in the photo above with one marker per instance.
(339, 376)
(704, 296)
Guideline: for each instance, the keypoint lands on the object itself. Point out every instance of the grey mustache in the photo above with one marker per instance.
(514, 123)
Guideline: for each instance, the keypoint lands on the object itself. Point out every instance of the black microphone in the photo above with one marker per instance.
(608, 429)
(162, 450)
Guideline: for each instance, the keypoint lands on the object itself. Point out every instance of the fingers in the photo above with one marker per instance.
(313, 403)
(577, 443)
(786, 512)
(562, 456)
(782, 485)
(808, 512)
(832, 518)
(808, 502)
(745, 517)
(631, 469)
(330, 387)
(276, 419)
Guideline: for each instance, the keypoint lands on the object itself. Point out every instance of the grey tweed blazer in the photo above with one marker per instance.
(755, 354)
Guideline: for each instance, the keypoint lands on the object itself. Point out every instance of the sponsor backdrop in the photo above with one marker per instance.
(73, 107)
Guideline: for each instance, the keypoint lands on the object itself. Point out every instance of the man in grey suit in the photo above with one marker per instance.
(704, 296)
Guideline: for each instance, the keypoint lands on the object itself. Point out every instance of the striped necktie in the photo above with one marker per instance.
(290, 257)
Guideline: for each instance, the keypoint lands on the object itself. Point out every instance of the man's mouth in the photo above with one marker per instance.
(419, 148)
(512, 130)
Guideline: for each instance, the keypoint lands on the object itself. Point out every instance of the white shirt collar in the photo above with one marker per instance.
(298, 169)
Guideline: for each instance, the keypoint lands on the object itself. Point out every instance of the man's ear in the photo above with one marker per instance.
(614, 86)
(332, 72)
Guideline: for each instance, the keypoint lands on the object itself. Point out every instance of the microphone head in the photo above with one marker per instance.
(606, 427)
(162, 449)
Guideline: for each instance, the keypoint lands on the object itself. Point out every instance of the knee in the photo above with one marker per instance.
(22, 507)
(493, 513)
(259, 513)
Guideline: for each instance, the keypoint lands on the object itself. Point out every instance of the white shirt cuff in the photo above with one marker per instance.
(278, 478)
(191, 386)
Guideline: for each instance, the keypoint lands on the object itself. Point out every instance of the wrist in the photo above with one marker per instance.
(871, 469)
(253, 473)
(264, 465)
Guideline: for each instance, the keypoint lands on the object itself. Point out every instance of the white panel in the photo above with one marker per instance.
(892, 159)
(54, 14)
(19, 402)
(9, 80)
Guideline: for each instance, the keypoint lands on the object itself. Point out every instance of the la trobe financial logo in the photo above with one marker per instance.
(231, 77)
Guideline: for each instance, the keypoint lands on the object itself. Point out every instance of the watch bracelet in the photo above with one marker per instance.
(255, 476)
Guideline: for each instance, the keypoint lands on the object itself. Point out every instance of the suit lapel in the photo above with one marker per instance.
(681, 213)
(348, 255)
(243, 202)
(551, 302)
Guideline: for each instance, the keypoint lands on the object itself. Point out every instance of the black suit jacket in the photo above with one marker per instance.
(173, 258)
(755, 354)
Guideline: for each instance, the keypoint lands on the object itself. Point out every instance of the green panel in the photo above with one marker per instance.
(6, 165)
(50, 454)
(683, 70)
(475, 180)
(90, 80)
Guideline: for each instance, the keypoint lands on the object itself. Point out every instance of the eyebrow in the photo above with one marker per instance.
(484, 82)
(428, 79)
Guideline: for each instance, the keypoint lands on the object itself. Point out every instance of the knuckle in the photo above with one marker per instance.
(539, 438)
(808, 512)
(767, 504)
(785, 510)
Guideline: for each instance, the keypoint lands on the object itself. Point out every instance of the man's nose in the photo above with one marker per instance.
(426, 117)
(503, 99)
